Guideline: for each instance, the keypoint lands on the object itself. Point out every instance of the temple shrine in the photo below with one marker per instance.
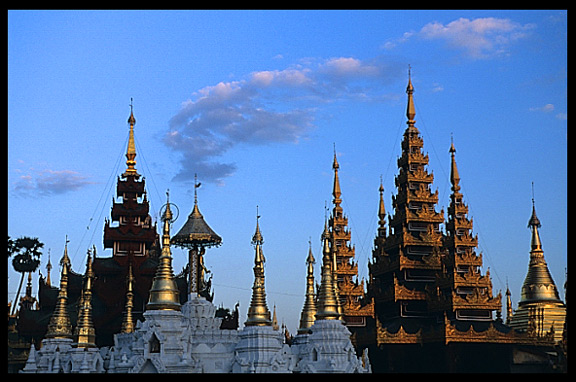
(426, 307)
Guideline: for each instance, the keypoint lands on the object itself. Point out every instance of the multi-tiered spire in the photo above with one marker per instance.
(131, 149)
(462, 292)
(258, 313)
(406, 261)
(307, 317)
(410, 110)
(128, 319)
(350, 293)
(85, 334)
(135, 234)
(327, 303)
(60, 325)
(164, 294)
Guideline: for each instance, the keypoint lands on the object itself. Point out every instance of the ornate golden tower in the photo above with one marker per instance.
(540, 310)
(131, 151)
(462, 292)
(60, 325)
(327, 303)
(258, 313)
(407, 260)
(84, 333)
(351, 296)
(164, 294)
(307, 316)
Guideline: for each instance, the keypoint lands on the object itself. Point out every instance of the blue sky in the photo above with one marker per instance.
(254, 102)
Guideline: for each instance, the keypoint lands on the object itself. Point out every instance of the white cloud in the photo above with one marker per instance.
(562, 116)
(479, 38)
(275, 106)
(548, 108)
(436, 87)
(49, 182)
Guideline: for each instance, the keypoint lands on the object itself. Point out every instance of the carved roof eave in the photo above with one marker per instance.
(387, 264)
(383, 336)
(357, 310)
(433, 239)
(448, 333)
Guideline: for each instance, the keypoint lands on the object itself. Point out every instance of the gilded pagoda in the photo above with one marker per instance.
(356, 310)
(407, 259)
(540, 310)
(434, 310)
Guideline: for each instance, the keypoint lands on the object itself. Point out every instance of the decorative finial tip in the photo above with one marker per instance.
(257, 238)
(131, 119)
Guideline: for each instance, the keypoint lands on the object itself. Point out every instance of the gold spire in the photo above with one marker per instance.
(131, 150)
(381, 212)
(534, 224)
(538, 285)
(48, 269)
(85, 334)
(60, 326)
(128, 321)
(410, 110)
(508, 304)
(309, 309)
(539, 294)
(275, 319)
(164, 294)
(336, 192)
(327, 301)
(454, 176)
(258, 313)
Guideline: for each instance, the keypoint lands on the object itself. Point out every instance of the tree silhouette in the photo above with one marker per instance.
(26, 252)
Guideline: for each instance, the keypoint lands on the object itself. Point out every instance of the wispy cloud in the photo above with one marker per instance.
(276, 106)
(40, 183)
(480, 38)
(548, 108)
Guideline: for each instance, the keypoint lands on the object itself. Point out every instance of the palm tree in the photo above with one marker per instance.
(26, 252)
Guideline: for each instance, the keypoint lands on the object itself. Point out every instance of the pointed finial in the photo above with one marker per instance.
(65, 259)
(454, 176)
(196, 186)
(131, 149)
(534, 224)
(335, 164)
(257, 238)
(381, 208)
(168, 211)
(410, 110)
(131, 119)
(336, 191)
(452, 149)
(534, 221)
(48, 269)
